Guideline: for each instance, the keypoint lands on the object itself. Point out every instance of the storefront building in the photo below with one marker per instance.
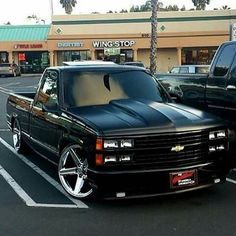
(184, 37)
(26, 46)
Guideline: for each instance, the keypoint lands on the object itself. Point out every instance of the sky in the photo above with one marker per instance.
(16, 11)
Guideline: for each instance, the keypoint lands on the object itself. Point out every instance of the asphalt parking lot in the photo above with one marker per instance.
(32, 201)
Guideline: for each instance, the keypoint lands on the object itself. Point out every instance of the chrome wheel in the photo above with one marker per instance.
(72, 172)
(16, 135)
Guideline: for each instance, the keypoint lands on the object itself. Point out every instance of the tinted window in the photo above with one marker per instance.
(202, 69)
(95, 88)
(224, 60)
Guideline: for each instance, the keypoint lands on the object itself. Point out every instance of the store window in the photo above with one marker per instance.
(33, 62)
(115, 55)
(4, 57)
(73, 56)
(198, 56)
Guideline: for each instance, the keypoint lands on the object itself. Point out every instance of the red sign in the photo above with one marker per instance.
(28, 46)
(21, 56)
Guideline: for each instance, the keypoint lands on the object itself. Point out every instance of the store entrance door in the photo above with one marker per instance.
(33, 62)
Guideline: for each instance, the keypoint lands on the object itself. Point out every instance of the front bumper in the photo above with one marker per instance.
(154, 182)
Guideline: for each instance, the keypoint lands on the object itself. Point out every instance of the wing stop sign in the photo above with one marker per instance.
(111, 51)
(233, 32)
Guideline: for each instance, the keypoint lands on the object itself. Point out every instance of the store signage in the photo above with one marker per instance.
(233, 32)
(21, 56)
(70, 44)
(113, 44)
(28, 46)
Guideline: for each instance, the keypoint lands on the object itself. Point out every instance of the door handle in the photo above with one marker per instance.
(231, 87)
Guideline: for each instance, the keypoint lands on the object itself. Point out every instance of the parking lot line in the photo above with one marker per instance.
(24, 196)
(16, 187)
(6, 91)
(78, 203)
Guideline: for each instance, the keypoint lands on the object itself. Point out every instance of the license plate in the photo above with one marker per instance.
(183, 179)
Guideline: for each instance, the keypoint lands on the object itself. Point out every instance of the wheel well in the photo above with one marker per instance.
(63, 144)
(12, 122)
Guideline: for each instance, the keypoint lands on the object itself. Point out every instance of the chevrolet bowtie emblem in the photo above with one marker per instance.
(177, 148)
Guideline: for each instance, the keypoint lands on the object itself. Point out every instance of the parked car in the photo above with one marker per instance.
(113, 131)
(190, 69)
(9, 69)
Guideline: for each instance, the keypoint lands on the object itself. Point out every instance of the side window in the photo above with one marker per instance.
(183, 70)
(174, 70)
(224, 60)
(48, 91)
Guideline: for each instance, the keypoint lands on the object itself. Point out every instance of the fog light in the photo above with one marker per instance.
(109, 159)
(120, 195)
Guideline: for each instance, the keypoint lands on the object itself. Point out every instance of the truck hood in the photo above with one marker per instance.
(129, 116)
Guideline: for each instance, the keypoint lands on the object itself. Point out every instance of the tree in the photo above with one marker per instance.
(68, 5)
(37, 19)
(200, 4)
(147, 6)
(171, 8)
(225, 7)
(153, 53)
(123, 11)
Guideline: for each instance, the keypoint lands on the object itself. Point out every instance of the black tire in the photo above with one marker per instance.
(72, 172)
(19, 144)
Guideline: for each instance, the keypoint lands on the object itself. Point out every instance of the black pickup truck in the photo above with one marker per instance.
(114, 131)
(214, 92)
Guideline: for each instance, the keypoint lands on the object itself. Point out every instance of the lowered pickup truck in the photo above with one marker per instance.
(214, 92)
(114, 131)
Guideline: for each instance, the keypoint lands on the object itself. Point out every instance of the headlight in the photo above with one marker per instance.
(217, 134)
(110, 144)
(123, 143)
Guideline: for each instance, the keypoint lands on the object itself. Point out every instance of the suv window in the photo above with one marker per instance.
(224, 60)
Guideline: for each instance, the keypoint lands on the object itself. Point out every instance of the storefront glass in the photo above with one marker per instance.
(123, 55)
(73, 56)
(4, 57)
(33, 62)
(198, 56)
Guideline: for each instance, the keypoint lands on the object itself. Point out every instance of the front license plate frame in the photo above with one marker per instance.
(181, 179)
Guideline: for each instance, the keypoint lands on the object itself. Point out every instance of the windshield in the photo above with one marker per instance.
(96, 88)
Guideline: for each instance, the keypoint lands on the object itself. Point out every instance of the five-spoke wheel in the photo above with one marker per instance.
(19, 144)
(72, 171)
